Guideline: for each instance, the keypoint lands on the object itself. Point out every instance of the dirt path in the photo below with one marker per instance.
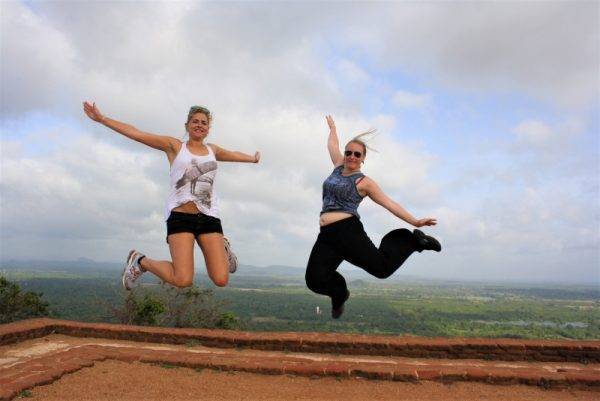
(123, 377)
(112, 380)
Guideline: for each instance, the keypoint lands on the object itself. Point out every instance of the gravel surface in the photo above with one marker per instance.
(112, 380)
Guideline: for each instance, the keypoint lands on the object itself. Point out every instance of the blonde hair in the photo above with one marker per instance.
(194, 110)
(363, 142)
(199, 109)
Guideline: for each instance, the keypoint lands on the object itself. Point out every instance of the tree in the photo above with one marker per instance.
(148, 311)
(190, 307)
(15, 305)
(228, 321)
(173, 307)
(144, 311)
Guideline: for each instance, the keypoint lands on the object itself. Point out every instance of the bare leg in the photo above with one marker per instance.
(213, 249)
(180, 272)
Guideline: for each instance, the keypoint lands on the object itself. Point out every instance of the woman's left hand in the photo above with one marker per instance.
(92, 111)
(429, 221)
(256, 157)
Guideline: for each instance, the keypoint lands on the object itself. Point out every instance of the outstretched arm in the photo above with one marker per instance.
(224, 155)
(333, 144)
(160, 142)
(378, 196)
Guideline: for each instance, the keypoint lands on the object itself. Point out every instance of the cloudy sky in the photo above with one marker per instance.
(488, 120)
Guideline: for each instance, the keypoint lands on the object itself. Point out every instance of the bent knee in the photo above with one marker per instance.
(308, 280)
(313, 283)
(381, 270)
(220, 281)
(403, 233)
(183, 282)
(382, 275)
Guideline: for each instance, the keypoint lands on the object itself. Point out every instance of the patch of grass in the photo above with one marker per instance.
(25, 394)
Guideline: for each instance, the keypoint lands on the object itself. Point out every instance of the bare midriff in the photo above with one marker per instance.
(332, 217)
(188, 207)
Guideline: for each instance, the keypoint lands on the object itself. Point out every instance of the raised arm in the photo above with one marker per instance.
(165, 143)
(333, 144)
(373, 191)
(224, 155)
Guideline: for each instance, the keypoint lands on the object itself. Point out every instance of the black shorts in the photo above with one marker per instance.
(195, 223)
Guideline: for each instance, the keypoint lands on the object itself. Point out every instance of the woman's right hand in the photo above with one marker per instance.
(92, 112)
(330, 122)
(333, 144)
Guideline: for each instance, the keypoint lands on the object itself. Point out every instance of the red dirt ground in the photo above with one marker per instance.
(113, 380)
(62, 360)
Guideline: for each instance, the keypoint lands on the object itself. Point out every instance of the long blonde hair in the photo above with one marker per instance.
(370, 134)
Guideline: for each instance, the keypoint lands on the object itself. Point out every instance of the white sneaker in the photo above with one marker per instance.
(132, 270)
(231, 258)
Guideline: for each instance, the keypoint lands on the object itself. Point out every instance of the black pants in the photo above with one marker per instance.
(346, 240)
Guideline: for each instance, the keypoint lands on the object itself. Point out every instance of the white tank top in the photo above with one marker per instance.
(192, 179)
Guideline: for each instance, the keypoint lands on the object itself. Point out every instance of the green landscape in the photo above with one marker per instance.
(276, 299)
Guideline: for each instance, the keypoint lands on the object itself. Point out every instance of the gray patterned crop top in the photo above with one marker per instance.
(340, 193)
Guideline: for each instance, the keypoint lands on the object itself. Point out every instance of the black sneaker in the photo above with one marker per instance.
(427, 242)
(336, 312)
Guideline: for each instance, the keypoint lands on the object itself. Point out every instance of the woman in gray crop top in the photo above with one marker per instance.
(342, 236)
(192, 213)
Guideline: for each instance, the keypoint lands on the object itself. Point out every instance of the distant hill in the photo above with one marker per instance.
(87, 267)
(81, 263)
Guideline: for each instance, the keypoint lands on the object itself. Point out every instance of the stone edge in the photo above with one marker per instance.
(46, 370)
(327, 343)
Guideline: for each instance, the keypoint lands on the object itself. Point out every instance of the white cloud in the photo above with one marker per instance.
(36, 61)
(547, 50)
(408, 100)
(352, 72)
(532, 132)
(93, 189)
(270, 72)
(545, 143)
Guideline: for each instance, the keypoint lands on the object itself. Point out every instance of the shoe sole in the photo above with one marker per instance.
(232, 262)
(423, 235)
(128, 262)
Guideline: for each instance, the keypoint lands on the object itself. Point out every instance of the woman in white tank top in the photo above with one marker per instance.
(192, 210)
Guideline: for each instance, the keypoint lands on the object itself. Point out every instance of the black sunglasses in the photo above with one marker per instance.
(347, 153)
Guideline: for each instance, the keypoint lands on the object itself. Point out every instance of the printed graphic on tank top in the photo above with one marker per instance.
(198, 179)
(192, 180)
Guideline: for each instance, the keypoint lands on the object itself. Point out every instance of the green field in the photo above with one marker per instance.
(386, 307)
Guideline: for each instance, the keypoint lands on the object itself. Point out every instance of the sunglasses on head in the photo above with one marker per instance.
(198, 109)
(356, 154)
